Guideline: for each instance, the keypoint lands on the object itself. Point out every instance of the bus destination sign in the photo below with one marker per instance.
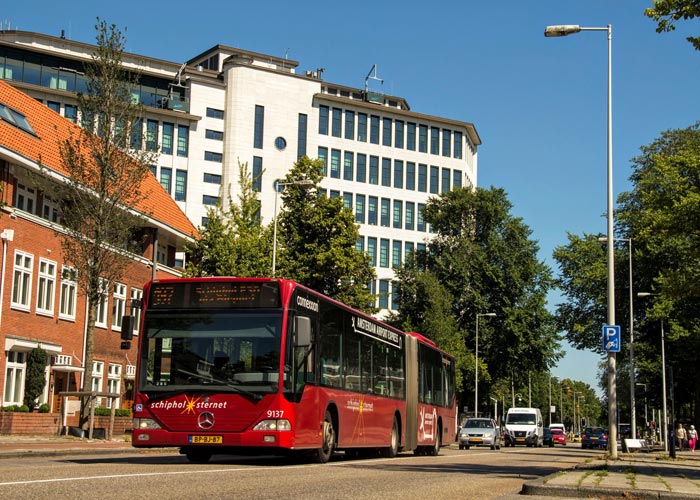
(214, 294)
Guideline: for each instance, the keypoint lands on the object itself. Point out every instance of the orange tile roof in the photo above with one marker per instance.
(51, 129)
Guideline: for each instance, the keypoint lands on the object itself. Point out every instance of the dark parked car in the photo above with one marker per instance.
(547, 440)
(594, 437)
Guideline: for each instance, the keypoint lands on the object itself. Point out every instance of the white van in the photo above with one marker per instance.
(524, 426)
(558, 426)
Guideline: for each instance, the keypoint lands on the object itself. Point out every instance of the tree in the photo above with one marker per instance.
(36, 376)
(317, 238)
(480, 260)
(667, 12)
(105, 167)
(233, 243)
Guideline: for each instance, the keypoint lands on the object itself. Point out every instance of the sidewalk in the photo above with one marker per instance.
(633, 476)
(41, 446)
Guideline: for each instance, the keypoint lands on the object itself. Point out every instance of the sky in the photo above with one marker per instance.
(539, 104)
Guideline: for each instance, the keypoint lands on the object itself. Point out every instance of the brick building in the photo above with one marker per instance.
(40, 302)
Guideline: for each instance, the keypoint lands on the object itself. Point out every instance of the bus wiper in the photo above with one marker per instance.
(211, 379)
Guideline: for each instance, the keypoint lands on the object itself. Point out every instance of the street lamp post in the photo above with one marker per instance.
(276, 185)
(476, 362)
(579, 413)
(570, 29)
(633, 405)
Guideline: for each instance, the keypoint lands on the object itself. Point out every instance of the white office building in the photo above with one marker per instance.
(227, 105)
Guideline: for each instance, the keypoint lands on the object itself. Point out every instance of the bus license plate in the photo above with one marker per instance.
(206, 439)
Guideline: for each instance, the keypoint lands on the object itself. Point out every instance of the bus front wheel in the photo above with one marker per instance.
(323, 454)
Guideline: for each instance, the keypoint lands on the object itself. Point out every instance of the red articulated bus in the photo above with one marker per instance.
(267, 366)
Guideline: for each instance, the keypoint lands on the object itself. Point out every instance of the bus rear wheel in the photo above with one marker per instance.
(434, 450)
(323, 454)
(393, 449)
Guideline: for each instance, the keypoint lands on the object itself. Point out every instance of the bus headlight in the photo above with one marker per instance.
(145, 424)
(273, 425)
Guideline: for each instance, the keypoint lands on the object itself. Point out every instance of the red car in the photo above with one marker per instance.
(558, 437)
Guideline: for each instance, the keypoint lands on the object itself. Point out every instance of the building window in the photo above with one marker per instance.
(54, 106)
(434, 179)
(15, 367)
(408, 248)
(411, 136)
(136, 295)
(180, 185)
(386, 131)
(118, 305)
(360, 244)
(398, 174)
(434, 141)
(167, 144)
(398, 216)
(384, 212)
(22, 280)
(348, 160)
(335, 163)
(214, 135)
(347, 201)
(183, 140)
(361, 175)
(374, 170)
(210, 201)
(114, 377)
(423, 138)
(410, 207)
(410, 176)
(445, 180)
(396, 254)
(71, 112)
(420, 224)
(69, 292)
(362, 127)
(101, 319)
(383, 294)
(372, 251)
(46, 287)
(26, 198)
(457, 151)
(213, 156)
(383, 253)
(374, 129)
(50, 209)
(360, 209)
(136, 134)
(257, 173)
(422, 178)
(337, 122)
(386, 172)
(212, 178)
(349, 125)
(98, 370)
(372, 211)
(166, 178)
(259, 126)
(151, 135)
(446, 142)
(323, 119)
(456, 179)
(215, 113)
(398, 134)
(301, 135)
(323, 156)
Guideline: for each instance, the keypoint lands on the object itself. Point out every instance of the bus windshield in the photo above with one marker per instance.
(212, 350)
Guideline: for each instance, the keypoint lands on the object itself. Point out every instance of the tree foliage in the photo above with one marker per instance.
(35, 378)
(234, 242)
(480, 260)
(106, 166)
(667, 12)
(662, 216)
(317, 238)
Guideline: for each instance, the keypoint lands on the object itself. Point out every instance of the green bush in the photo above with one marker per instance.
(44, 408)
(23, 409)
(102, 411)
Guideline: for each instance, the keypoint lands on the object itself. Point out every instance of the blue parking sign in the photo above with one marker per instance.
(611, 338)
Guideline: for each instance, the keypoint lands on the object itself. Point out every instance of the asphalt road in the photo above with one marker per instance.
(478, 473)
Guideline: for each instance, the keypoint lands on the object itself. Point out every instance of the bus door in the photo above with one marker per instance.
(412, 375)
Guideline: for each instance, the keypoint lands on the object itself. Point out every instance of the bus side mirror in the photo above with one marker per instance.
(303, 331)
(127, 327)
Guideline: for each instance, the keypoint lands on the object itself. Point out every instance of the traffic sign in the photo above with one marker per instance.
(611, 338)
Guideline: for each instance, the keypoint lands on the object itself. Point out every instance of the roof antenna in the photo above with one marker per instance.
(372, 76)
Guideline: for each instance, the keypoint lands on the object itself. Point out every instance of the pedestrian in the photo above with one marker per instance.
(692, 438)
(681, 436)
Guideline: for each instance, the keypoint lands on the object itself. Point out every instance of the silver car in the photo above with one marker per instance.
(480, 432)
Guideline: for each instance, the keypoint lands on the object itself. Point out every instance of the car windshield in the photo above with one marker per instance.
(521, 418)
(557, 431)
(595, 430)
(474, 423)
